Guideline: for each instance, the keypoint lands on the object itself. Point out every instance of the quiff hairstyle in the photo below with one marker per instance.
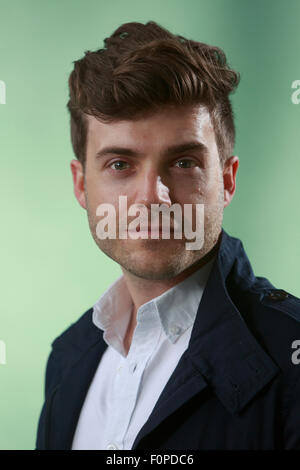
(144, 67)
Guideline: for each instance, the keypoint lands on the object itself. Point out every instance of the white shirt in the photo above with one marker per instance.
(125, 388)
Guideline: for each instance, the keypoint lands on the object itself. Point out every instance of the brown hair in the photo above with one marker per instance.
(143, 67)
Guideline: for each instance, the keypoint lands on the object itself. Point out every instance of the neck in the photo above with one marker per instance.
(144, 290)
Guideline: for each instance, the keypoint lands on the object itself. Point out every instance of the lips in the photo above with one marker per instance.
(153, 229)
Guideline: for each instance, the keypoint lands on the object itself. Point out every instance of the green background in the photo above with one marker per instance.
(52, 271)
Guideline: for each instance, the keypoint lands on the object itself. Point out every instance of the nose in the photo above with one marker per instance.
(150, 189)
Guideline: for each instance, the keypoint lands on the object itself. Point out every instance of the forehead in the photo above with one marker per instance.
(168, 124)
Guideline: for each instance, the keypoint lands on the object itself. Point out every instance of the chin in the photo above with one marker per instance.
(154, 267)
(151, 274)
(153, 261)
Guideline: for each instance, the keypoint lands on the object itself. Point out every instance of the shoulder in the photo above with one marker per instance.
(77, 337)
(273, 316)
(275, 301)
(282, 301)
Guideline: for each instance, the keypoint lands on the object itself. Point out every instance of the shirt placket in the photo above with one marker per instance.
(130, 371)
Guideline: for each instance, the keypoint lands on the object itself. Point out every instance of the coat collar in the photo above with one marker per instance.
(222, 348)
(222, 353)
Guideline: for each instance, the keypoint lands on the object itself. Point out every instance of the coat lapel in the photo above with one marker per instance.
(71, 392)
(184, 383)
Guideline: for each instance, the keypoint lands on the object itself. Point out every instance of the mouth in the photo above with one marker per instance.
(154, 232)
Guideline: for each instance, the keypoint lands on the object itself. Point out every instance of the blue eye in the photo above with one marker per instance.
(118, 162)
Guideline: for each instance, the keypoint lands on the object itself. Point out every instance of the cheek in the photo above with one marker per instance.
(200, 188)
(99, 193)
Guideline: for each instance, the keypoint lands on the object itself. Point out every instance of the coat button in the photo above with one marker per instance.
(278, 294)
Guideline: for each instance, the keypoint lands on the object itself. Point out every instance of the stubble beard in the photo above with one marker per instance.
(160, 259)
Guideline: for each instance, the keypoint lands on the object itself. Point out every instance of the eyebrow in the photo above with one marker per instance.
(170, 150)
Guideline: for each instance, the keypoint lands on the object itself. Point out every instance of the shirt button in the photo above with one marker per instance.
(111, 447)
(132, 367)
(175, 329)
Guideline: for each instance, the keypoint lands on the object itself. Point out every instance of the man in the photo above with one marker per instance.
(187, 349)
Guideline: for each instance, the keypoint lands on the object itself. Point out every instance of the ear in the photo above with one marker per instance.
(229, 178)
(78, 182)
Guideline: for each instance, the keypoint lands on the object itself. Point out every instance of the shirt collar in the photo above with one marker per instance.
(112, 311)
(176, 308)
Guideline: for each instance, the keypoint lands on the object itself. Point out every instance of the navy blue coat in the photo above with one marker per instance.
(235, 387)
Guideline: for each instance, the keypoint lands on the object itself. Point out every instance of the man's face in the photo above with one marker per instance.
(154, 176)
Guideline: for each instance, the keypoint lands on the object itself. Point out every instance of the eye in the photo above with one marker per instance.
(186, 160)
(118, 162)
